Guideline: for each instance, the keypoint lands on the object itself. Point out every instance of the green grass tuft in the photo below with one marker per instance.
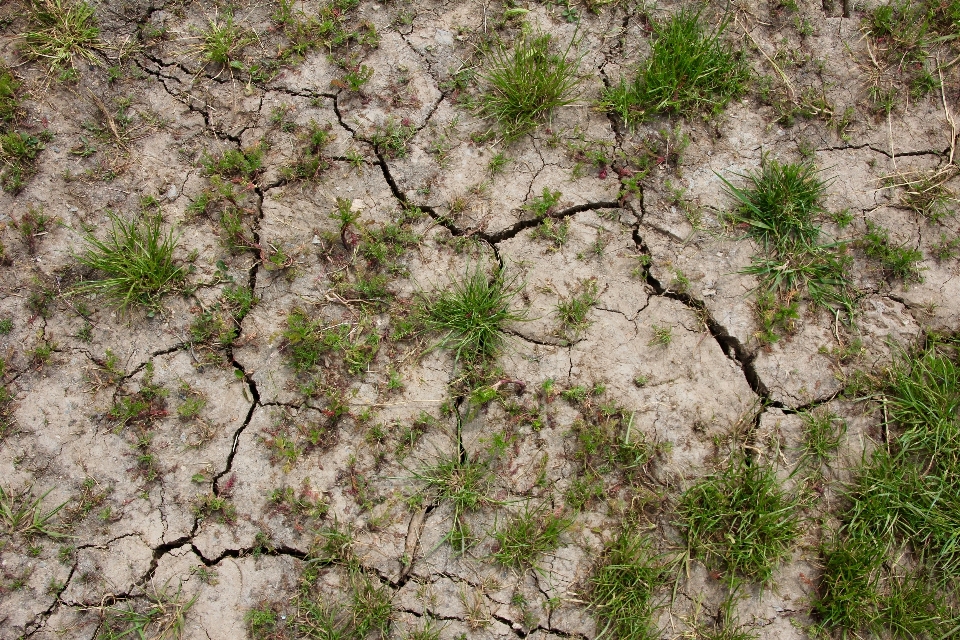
(779, 207)
(137, 259)
(739, 521)
(61, 31)
(526, 85)
(465, 485)
(689, 69)
(624, 587)
(893, 564)
(896, 261)
(528, 536)
(471, 314)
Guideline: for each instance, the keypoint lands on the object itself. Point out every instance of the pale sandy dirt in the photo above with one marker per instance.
(137, 528)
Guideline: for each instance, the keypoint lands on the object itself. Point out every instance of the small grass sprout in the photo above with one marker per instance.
(662, 335)
(689, 69)
(163, 618)
(572, 312)
(822, 433)
(897, 261)
(525, 85)
(463, 484)
(137, 259)
(21, 515)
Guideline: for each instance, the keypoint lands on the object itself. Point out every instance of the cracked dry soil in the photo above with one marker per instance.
(216, 492)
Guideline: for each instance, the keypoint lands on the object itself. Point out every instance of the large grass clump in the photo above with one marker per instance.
(526, 84)
(136, 260)
(689, 70)
(471, 314)
(740, 521)
(780, 206)
(62, 31)
(892, 566)
(624, 588)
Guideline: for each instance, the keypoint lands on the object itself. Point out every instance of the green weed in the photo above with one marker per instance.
(688, 70)
(18, 156)
(137, 259)
(927, 194)
(543, 205)
(662, 335)
(334, 27)
(553, 231)
(214, 507)
(525, 85)
(234, 163)
(312, 161)
(390, 139)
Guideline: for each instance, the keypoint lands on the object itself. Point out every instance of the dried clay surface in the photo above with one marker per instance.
(280, 435)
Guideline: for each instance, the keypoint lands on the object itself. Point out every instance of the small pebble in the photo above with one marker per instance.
(172, 193)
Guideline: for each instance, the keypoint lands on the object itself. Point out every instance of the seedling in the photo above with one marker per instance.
(553, 231)
(312, 161)
(9, 97)
(137, 259)
(526, 85)
(543, 205)
(390, 139)
(662, 335)
(688, 70)
(234, 163)
(497, 163)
